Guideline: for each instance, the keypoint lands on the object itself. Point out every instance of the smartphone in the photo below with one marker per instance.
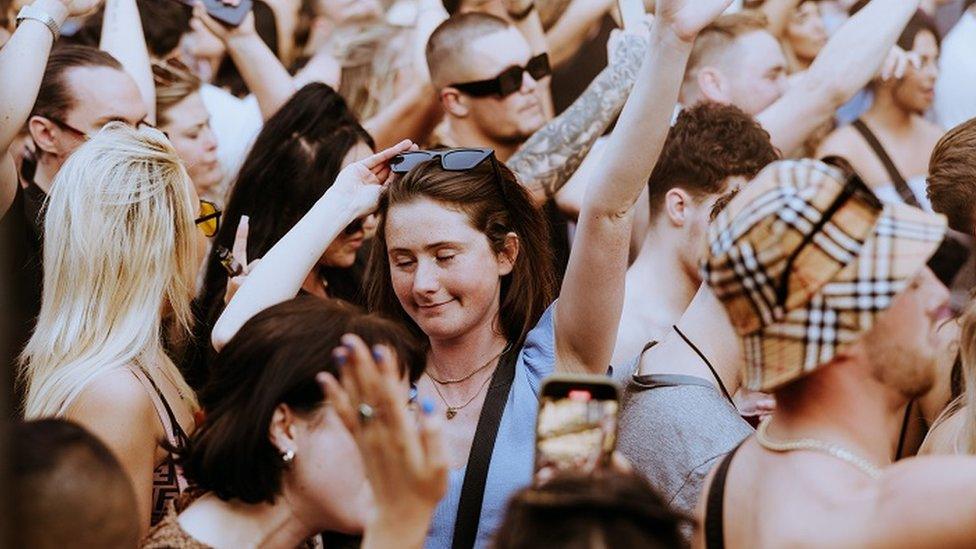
(631, 13)
(576, 429)
(226, 14)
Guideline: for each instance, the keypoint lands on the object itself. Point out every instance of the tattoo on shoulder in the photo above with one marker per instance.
(547, 160)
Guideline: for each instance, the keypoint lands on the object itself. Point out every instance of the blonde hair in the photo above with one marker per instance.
(965, 404)
(119, 249)
(174, 83)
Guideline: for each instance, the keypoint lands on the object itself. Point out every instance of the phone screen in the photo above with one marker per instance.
(576, 429)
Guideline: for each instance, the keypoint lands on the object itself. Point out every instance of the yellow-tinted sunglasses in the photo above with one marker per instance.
(209, 220)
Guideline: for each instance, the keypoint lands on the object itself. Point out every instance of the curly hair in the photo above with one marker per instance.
(708, 144)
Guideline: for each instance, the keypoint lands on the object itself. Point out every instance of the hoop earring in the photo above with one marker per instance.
(288, 456)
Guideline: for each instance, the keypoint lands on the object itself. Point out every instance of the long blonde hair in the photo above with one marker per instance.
(119, 250)
(964, 439)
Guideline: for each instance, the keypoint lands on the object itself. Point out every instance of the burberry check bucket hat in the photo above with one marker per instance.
(804, 259)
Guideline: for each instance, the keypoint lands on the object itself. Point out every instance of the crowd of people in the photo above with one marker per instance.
(297, 279)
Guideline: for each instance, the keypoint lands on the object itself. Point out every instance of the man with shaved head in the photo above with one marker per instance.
(488, 80)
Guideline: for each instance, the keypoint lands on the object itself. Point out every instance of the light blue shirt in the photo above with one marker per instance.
(512, 457)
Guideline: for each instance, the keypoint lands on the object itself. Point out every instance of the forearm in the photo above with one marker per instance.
(845, 65)
(593, 287)
(412, 115)
(570, 31)
(546, 161)
(122, 36)
(855, 53)
(261, 70)
(22, 62)
(280, 273)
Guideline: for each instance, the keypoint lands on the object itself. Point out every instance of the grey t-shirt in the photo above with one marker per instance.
(673, 429)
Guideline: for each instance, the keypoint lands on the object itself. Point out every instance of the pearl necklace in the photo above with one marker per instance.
(815, 445)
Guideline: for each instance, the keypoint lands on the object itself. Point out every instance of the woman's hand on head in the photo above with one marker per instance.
(358, 185)
(405, 460)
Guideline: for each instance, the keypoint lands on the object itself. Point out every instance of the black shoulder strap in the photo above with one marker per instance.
(715, 504)
(901, 186)
(904, 430)
(711, 368)
(476, 474)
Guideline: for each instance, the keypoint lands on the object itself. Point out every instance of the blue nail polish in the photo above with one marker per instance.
(427, 407)
(376, 354)
(340, 359)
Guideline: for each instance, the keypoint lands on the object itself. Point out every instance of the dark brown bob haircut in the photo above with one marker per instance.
(273, 359)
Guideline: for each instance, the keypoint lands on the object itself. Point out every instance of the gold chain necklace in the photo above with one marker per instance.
(815, 445)
(453, 410)
(467, 377)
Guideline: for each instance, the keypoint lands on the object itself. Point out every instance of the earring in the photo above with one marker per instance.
(288, 456)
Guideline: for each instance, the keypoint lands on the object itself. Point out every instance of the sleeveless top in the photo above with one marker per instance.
(910, 191)
(715, 504)
(168, 480)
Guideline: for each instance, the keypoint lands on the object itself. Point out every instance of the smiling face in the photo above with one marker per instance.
(916, 91)
(444, 272)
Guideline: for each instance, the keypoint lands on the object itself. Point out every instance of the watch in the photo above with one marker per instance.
(38, 14)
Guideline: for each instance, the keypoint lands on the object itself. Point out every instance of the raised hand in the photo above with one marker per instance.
(687, 17)
(405, 463)
(897, 62)
(236, 263)
(80, 8)
(359, 184)
(220, 30)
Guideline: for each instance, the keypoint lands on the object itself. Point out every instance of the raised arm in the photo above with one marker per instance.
(548, 159)
(122, 37)
(845, 65)
(569, 32)
(260, 69)
(592, 295)
(22, 62)
(280, 273)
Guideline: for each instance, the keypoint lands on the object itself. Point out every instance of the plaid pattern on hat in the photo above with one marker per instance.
(804, 260)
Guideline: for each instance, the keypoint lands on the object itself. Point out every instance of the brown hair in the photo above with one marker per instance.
(54, 99)
(719, 36)
(174, 83)
(448, 43)
(952, 173)
(274, 359)
(495, 206)
(708, 144)
(604, 509)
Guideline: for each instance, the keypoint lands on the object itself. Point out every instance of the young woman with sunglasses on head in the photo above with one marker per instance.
(292, 164)
(460, 258)
(121, 253)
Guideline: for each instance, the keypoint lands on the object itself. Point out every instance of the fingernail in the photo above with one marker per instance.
(339, 357)
(427, 407)
(377, 355)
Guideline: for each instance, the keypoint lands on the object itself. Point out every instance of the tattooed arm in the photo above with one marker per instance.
(547, 160)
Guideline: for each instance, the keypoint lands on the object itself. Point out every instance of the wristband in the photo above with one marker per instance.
(38, 14)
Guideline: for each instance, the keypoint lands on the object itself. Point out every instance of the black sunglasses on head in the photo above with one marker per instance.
(509, 81)
(452, 160)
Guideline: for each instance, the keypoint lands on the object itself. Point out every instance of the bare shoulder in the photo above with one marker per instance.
(115, 400)
(844, 141)
(941, 438)
(931, 131)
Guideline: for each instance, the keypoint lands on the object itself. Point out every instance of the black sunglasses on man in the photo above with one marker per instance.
(509, 80)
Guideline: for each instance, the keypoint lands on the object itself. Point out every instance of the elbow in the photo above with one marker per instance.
(220, 335)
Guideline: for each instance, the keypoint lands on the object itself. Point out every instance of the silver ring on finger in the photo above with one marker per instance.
(366, 413)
